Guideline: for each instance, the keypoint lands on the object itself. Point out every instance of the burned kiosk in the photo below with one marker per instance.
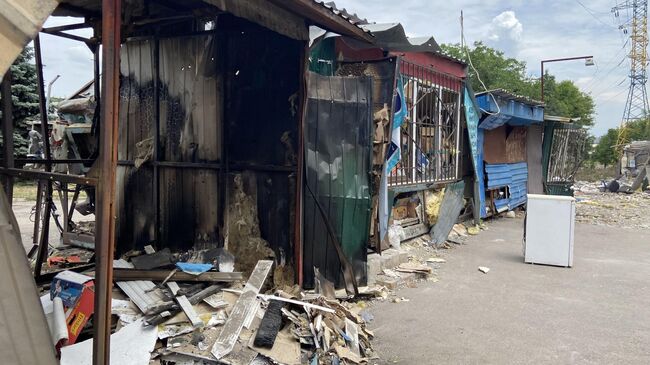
(199, 127)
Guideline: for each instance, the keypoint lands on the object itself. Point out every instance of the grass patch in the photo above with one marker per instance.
(595, 173)
(27, 190)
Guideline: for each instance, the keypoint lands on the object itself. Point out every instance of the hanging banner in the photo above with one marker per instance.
(394, 154)
(472, 118)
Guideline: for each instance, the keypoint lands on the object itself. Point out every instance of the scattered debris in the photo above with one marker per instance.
(171, 316)
(436, 260)
(414, 268)
(484, 269)
(629, 211)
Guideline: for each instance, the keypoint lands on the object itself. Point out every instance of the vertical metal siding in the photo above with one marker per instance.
(337, 153)
(514, 176)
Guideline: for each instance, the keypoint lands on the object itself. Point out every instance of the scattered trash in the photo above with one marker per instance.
(474, 230)
(484, 269)
(193, 268)
(511, 214)
(436, 260)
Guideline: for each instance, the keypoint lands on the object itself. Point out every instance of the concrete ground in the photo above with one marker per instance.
(597, 312)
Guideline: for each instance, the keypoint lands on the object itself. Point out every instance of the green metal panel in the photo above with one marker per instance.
(322, 57)
(559, 189)
(338, 164)
(554, 187)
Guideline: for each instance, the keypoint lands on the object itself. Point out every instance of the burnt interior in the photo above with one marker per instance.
(225, 100)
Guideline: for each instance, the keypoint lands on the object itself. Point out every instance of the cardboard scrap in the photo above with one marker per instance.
(285, 350)
(131, 345)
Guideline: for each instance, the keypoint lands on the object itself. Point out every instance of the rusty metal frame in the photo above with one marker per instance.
(47, 184)
(108, 140)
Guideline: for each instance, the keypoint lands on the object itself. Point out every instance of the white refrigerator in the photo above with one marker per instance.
(548, 234)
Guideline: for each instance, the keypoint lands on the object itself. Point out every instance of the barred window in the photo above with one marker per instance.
(430, 133)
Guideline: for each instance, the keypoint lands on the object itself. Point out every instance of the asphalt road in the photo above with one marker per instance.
(597, 312)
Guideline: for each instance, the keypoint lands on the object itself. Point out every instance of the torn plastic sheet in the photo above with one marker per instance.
(192, 268)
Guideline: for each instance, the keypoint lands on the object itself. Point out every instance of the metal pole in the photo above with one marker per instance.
(108, 134)
(7, 133)
(542, 81)
(559, 60)
(45, 229)
(49, 93)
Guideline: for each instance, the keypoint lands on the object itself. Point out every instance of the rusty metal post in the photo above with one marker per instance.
(108, 139)
(47, 185)
(7, 134)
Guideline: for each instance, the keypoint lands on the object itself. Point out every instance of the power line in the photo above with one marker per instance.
(591, 12)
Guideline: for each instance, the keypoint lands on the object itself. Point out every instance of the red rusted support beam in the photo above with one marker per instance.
(7, 134)
(108, 139)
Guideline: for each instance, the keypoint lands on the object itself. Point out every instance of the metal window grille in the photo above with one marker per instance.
(567, 154)
(430, 134)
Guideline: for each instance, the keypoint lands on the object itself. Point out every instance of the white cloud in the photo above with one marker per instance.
(505, 32)
(506, 27)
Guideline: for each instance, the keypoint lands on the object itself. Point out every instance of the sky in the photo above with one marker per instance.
(529, 30)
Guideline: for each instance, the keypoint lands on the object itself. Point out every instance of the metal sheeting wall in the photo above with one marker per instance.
(338, 165)
(190, 110)
(512, 175)
(190, 131)
(204, 80)
(134, 198)
(534, 159)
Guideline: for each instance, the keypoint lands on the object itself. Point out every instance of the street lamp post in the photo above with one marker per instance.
(589, 61)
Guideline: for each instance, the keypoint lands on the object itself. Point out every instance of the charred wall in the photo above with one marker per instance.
(222, 102)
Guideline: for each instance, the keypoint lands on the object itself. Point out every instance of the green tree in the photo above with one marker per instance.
(565, 99)
(604, 152)
(500, 72)
(495, 69)
(24, 96)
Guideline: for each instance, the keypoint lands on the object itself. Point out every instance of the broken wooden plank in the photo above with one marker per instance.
(270, 325)
(246, 303)
(189, 311)
(124, 274)
(173, 286)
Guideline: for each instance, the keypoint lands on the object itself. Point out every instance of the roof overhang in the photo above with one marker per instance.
(501, 107)
(319, 14)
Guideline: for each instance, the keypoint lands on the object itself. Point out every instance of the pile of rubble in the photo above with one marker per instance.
(179, 309)
(596, 205)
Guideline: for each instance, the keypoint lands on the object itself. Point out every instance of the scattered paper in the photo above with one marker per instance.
(483, 269)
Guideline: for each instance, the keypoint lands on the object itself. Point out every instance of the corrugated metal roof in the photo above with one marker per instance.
(504, 94)
(352, 18)
(343, 13)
